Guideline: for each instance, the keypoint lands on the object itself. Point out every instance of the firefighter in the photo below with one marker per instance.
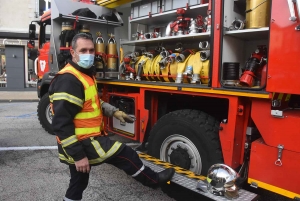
(78, 125)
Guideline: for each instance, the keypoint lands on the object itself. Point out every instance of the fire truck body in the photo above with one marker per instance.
(253, 129)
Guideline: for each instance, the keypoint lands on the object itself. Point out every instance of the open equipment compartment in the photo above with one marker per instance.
(128, 104)
(245, 44)
(154, 37)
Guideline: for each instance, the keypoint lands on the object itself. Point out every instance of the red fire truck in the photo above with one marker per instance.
(207, 81)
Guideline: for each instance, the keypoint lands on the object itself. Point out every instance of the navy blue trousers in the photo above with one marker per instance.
(127, 160)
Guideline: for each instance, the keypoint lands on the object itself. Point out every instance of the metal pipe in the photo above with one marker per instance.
(162, 63)
(183, 55)
(121, 70)
(237, 24)
(37, 7)
(298, 6)
(164, 53)
(292, 11)
(179, 78)
(204, 45)
(204, 55)
(140, 71)
(47, 4)
(195, 79)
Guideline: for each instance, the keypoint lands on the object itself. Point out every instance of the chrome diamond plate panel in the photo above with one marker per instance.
(192, 183)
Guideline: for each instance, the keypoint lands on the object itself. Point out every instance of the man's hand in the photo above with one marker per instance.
(123, 117)
(83, 165)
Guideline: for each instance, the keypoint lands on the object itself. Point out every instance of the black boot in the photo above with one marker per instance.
(165, 175)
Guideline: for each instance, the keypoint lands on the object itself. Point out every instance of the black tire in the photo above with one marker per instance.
(199, 128)
(44, 114)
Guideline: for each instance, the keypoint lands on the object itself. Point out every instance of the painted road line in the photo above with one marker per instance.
(22, 116)
(27, 148)
(43, 147)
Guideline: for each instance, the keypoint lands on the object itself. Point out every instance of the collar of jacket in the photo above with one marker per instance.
(89, 72)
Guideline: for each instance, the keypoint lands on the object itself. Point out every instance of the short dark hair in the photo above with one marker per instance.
(80, 35)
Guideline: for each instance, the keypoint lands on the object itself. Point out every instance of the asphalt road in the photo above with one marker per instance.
(38, 174)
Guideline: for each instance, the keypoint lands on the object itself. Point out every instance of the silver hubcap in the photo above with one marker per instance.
(176, 141)
(48, 114)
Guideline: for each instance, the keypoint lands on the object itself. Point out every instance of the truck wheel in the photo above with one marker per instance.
(45, 114)
(188, 139)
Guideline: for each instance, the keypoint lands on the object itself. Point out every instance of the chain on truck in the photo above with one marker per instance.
(214, 85)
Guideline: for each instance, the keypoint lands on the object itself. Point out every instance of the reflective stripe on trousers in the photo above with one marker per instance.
(139, 171)
(67, 199)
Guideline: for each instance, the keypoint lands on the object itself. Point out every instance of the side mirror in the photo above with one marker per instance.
(32, 29)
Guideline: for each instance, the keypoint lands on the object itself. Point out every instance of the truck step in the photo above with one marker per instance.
(189, 180)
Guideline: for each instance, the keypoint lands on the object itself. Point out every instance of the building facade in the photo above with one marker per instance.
(16, 60)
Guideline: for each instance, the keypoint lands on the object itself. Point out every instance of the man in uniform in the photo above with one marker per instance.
(78, 125)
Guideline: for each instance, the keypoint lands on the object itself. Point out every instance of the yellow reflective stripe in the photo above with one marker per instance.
(88, 115)
(67, 97)
(71, 68)
(95, 161)
(113, 149)
(62, 157)
(98, 148)
(84, 82)
(68, 141)
(51, 98)
(69, 159)
(274, 189)
(102, 154)
(90, 92)
(91, 95)
(94, 105)
(280, 96)
(86, 131)
(95, 81)
(65, 69)
(287, 98)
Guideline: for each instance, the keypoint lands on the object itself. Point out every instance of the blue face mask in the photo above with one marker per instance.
(85, 60)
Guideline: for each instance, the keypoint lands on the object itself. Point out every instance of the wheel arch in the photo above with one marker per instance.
(213, 106)
(44, 89)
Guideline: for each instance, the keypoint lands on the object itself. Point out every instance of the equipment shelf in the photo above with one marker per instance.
(249, 34)
(161, 18)
(184, 87)
(155, 41)
(86, 19)
(162, 21)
